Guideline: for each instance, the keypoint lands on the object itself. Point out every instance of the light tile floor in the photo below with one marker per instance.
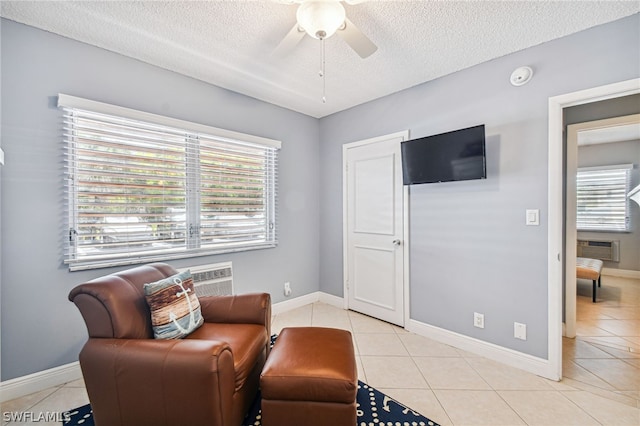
(604, 358)
(453, 387)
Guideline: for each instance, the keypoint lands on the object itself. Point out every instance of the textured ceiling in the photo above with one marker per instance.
(229, 43)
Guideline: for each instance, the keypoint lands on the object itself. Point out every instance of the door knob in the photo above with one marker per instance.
(397, 242)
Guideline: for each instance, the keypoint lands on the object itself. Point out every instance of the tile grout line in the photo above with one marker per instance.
(496, 392)
(512, 408)
(616, 317)
(444, 410)
(355, 342)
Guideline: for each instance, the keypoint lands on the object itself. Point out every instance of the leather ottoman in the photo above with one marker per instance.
(310, 378)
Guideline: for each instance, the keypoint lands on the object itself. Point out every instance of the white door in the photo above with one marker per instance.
(374, 246)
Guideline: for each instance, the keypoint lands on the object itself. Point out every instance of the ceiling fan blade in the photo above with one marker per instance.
(289, 42)
(356, 39)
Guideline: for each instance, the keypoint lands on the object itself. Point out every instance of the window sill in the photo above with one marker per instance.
(79, 265)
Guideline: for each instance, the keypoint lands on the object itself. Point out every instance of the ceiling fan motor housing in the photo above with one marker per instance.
(321, 19)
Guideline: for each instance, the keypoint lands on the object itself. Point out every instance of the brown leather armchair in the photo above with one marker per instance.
(208, 378)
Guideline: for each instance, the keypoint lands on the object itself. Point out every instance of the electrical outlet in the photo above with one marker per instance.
(478, 320)
(520, 331)
(287, 289)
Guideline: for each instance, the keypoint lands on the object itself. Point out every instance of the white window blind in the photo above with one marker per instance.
(602, 203)
(139, 190)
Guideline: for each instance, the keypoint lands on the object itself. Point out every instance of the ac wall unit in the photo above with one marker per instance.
(215, 279)
(599, 249)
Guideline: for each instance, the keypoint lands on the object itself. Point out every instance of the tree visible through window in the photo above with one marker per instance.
(602, 203)
(140, 191)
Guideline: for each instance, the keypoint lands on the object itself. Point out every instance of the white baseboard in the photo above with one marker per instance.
(332, 300)
(295, 303)
(532, 364)
(21, 386)
(535, 365)
(298, 302)
(57, 376)
(623, 273)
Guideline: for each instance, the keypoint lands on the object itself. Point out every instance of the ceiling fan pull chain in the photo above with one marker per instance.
(322, 71)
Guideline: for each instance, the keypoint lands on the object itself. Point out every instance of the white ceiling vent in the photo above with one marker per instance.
(215, 279)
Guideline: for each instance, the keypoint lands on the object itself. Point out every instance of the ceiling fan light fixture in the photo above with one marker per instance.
(321, 19)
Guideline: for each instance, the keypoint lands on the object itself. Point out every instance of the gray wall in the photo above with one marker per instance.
(607, 155)
(41, 329)
(469, 247)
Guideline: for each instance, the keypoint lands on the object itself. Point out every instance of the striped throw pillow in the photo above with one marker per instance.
(175, 309)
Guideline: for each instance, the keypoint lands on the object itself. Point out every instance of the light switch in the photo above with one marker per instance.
(533, 217)
(520, 331)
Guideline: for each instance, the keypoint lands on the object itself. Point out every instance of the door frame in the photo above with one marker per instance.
(404, 135)
(573, 139)
(556, 256)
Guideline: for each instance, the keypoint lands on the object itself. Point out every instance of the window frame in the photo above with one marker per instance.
(270, 147)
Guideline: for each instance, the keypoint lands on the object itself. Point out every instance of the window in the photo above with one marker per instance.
(602, 203)
(142, 187)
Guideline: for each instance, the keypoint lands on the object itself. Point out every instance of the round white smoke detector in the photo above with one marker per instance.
(521, 76)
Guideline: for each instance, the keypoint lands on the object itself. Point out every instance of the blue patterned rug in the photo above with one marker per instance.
(374, 408)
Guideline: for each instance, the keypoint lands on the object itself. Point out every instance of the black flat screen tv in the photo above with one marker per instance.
(451, 156)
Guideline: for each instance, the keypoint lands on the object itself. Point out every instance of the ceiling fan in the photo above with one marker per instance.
(321, 19)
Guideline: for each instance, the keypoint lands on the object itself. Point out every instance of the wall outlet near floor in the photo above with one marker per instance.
(287, 289)
(478, 320)
(520, 331)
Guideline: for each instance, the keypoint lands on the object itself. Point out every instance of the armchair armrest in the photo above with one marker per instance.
(130, 380)
(250, 308)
